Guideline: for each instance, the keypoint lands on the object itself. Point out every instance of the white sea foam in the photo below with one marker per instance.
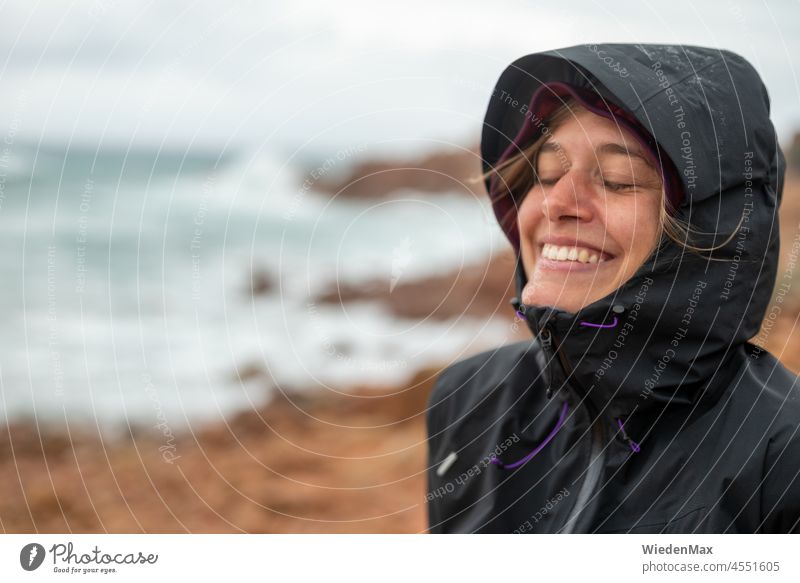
(137, 293)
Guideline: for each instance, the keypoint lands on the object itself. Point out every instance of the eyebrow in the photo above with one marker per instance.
(607, 148)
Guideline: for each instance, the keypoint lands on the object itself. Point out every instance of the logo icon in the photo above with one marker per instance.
(31, 556)
(401, 257)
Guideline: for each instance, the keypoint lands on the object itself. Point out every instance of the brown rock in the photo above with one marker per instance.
(455, 170)
(483, 290)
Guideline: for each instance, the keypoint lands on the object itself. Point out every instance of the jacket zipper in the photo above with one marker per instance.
(552, 347)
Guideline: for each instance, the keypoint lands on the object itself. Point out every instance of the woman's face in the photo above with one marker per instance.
(593, 219)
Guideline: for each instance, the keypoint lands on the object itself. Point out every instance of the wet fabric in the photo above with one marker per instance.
(660, 411)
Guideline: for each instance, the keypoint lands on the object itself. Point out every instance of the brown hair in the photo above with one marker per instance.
(517, 175)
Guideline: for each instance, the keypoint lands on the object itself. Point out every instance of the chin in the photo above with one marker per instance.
(534, 297)
(570, 293)
(559, 296)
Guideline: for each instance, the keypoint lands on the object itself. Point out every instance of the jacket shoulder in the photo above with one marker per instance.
(779, 404)
(779, 387)
(780, 492)
(466, 382)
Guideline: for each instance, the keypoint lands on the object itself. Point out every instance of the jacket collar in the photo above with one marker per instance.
(659, 341)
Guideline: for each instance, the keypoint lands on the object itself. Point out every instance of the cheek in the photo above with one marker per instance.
(635, 226)
(528, 217)
(529, 213)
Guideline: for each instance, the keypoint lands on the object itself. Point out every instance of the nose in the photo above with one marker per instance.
(569, 199)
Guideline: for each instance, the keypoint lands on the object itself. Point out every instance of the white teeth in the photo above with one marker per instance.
(565, 253)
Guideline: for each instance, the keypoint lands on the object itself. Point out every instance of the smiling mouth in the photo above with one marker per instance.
(576, 254)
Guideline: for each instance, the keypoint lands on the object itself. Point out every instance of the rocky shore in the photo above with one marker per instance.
(311, 460)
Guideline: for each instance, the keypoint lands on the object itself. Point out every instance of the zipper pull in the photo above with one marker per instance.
(517, 305)
(626, 438)
(546, 340)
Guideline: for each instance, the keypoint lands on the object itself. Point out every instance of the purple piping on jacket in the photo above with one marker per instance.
(539, 447)
(611, 325)
(635, 447)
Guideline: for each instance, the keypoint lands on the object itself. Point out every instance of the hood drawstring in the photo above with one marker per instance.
(611, 325)
(617, 309)
(562, 416)
(633, 445)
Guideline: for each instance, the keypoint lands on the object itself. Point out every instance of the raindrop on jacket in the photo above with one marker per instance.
(652, 409)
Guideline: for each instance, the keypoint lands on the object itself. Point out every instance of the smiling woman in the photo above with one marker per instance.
(594, 199)
(640, 395)
(591, 218)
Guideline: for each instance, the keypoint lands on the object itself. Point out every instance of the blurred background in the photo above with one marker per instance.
(240, 241)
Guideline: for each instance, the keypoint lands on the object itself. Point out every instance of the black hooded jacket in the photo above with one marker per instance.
(652, 409)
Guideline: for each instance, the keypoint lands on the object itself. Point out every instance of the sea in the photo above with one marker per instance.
(129, 278)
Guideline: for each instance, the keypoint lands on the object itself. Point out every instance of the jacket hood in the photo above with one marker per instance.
(664, 337)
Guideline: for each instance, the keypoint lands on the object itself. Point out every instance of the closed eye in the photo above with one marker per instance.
(618, 186)
(607, 184)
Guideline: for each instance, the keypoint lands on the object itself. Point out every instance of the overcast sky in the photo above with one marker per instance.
(323, 75)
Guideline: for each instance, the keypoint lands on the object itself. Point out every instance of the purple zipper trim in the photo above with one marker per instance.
(539, 447)
(614, 323)
(634, 446)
